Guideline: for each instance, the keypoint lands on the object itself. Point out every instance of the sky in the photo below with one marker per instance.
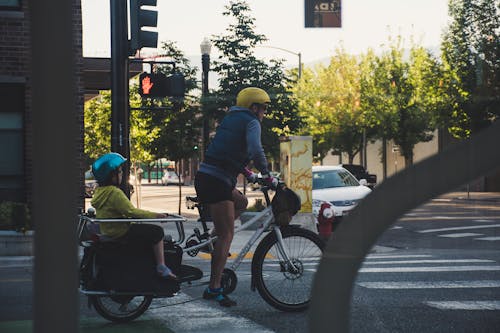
(365, 23)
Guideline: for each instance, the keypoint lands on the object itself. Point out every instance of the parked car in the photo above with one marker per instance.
(360, 172)
(170, 177)
(339, 187)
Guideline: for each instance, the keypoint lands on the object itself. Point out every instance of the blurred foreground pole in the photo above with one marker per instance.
(54, 167)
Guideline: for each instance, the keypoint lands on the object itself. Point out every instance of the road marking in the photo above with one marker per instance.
(203, 316)
(431, 284)
(15, 280)
(441, 217)
(484, 221)
(488, 238)
(465, 305)
(249, 255)
(428, 269)
(460, 228)
(464, 234)
(371, 256)
(430, 261)
(396, 227)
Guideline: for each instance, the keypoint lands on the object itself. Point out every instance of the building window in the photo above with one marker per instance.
(10, 4)
(12, 186)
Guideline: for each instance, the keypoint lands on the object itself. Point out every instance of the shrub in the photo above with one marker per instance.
(14, 216)
(257, 207)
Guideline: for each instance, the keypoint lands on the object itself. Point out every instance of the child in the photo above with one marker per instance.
(110, 202)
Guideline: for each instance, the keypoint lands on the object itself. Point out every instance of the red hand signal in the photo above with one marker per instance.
(146, 85)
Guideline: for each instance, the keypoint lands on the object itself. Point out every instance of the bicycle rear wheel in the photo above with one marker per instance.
(121, 309)
(283, 286)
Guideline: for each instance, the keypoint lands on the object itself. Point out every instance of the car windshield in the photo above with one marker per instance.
(333, 178)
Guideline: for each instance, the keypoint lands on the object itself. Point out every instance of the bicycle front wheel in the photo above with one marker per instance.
(285, 286)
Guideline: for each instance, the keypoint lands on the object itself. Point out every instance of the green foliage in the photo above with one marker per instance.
(471, 52)
(171, 132)
(179, 126)
(14, 216)
(257, 207)
(401, 98)
(238, 68)
(330, 103)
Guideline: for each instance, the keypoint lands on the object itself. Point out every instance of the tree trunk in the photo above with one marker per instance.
(408, 159)
(177, 167)
(384, 158)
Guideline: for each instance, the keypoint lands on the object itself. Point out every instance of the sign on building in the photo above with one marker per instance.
(323, 14)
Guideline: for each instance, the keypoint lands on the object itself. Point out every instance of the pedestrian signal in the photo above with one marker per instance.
(153, 85)
(159, 85)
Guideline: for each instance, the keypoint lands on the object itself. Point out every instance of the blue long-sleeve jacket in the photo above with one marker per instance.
(236, 142)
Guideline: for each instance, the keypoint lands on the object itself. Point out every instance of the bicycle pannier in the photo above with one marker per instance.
(285, 204)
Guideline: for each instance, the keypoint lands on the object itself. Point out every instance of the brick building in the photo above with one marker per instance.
(16, 132)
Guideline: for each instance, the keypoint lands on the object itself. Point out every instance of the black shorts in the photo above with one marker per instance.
(145, 234)
(210, 189)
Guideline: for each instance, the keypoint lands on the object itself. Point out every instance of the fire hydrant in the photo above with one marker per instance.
(326, 217)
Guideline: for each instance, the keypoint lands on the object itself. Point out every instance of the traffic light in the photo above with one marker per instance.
(140, 18)
(158, 85)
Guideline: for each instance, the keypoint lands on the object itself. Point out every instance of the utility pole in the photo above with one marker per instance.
(119, 86)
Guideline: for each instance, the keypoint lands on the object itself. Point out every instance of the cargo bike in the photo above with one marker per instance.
(120, 282)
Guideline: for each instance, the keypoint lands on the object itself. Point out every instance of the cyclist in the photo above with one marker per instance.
(110, 202)
(236, 142)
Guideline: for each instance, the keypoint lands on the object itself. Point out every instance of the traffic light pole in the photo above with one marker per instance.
(119, 86)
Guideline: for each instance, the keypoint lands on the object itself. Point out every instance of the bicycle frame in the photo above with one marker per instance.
(266, 218)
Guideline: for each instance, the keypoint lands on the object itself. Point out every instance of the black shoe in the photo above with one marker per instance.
(223, 300)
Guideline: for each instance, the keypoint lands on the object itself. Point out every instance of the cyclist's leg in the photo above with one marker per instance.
(240, 203)
(223, 217)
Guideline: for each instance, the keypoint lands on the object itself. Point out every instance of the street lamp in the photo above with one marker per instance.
(205, 47)
(291, 52)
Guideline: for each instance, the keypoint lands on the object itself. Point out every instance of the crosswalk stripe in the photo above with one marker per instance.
(372, 256)
(460, 228)
(459, 235)
(430, 284)
(488, 238)
(428, 261)
(465, 305)
(428, 269)
(184, 314)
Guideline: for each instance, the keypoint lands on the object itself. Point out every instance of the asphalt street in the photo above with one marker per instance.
(436, 270)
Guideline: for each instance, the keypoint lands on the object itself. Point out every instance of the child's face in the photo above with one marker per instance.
(117, 178)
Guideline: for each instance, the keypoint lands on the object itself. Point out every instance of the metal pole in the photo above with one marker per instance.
(300, 65)
(54, 101)
(205, 62)
(119, 86)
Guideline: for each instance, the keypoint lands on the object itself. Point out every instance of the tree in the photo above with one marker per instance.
(329, 101)
(471, 50)
(238, 68)
(97, 129)
(401, 97)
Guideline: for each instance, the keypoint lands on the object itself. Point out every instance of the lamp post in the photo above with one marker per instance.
(291, 52)
(205, 47)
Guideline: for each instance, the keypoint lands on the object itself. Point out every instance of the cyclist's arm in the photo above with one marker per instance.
(254, 146)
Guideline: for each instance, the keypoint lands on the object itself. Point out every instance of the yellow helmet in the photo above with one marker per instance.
(251, 95)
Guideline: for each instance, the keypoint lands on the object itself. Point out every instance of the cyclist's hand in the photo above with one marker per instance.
(250, 175)
(270, 181)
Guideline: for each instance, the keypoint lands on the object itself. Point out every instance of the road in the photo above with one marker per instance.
(436, 270)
